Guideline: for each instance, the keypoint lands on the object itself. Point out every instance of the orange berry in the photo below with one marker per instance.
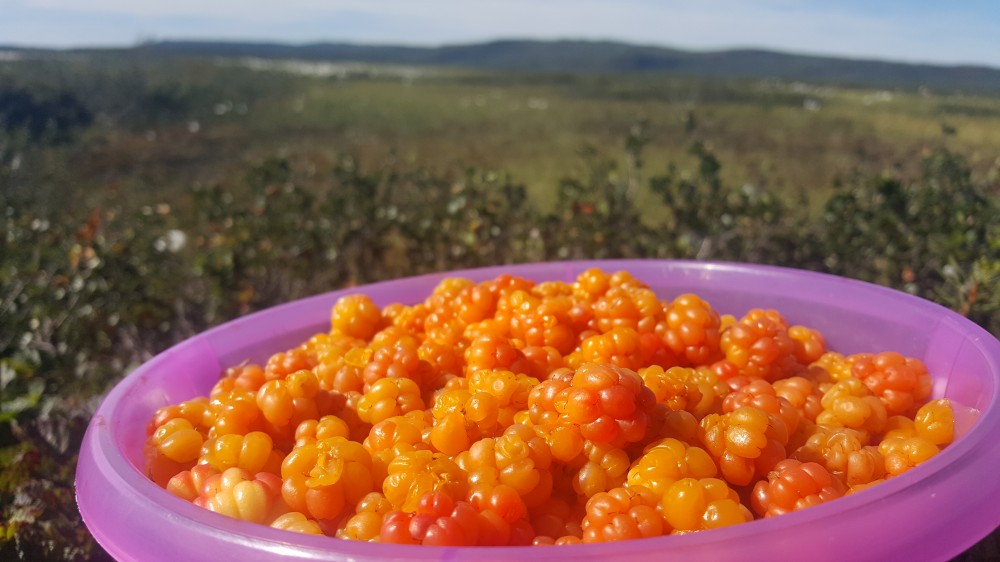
(935, 422)
(802, 394)
(809, 344)
(178, 440)
(902, 383)
(793, 485)
(356, 316)
(759, 345)
(623, 347)
(389, 397)
(849, 403)
(902, 454)
(844, 453)
(622, 514)
(188, 484)
(760, 394)
(240, 495)
(494, 352)
(835, 365)
(282, 364)
(674, 387)
(745, 443)
(249, 452)
(414, 473)
(692, 504)
(668, 461)
(605, 467)
(297, 523)
(609, 404)
(692, 330)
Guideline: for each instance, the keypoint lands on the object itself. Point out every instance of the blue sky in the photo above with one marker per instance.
(939, 31)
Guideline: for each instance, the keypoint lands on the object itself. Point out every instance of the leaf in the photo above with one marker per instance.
(10, 409)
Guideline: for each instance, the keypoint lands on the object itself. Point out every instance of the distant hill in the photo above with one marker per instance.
(613, 57)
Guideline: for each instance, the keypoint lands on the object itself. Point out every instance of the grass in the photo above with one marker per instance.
(789, 137)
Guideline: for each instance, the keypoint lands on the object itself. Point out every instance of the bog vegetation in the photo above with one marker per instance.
(142, 202)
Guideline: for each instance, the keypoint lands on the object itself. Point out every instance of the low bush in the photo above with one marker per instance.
(88, 294)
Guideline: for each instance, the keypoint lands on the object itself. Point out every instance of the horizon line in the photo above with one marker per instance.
(152, 40)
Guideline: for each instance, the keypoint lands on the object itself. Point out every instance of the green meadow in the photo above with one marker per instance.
(145, 198)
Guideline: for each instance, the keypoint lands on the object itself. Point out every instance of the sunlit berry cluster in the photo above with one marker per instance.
(510, 412)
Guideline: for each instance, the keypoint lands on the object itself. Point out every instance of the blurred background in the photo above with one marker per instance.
(165, 167)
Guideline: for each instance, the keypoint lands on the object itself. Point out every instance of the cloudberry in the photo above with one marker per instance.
(802, 394)
(393, 436)
(693, 504)
(356, 316)
(745, 443)
(935, 422)
(248, 377)
(235, 411)
(759, 345)
(250, 452)
(389, 397)
(297, 523)
(321, 477)
(636, 308)
(239, 494)
(282, 364)
(289, 400)
(188, 484)
(668, 461)
(835, 364)
(539, 323)
(673, 387)
(494, 352)
(609, 404)
(692, 330)
(511, 391)
(902, 383)
(366, 523)
(415, 473)
(324, 427)
(622, 514)
(591, 284)
(199, 412)
(178, 440)
(518, 459)
(558, 517)
(844, 453)
(605, 467)
(793, 485)
(849, 403)
(902, 454)
(760, 394)
(409, 318)
(809, 344)
(399, 359)
(622, 347)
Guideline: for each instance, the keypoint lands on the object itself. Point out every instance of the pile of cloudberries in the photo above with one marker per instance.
(511, 412)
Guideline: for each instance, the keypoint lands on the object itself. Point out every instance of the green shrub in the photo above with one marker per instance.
(87, 294)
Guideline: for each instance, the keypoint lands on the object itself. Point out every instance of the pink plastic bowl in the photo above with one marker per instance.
(930, 513)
